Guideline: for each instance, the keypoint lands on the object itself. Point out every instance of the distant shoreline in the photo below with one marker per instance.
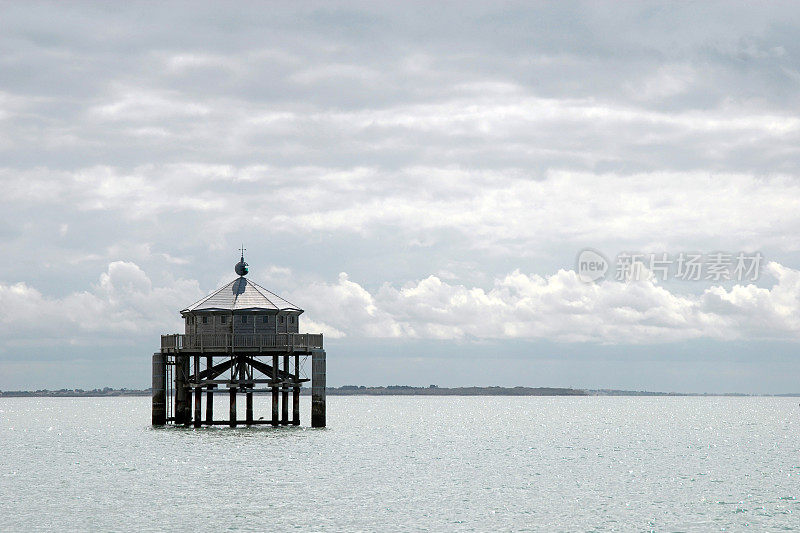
(397, 390)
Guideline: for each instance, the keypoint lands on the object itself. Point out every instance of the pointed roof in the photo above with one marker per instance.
(242, 294)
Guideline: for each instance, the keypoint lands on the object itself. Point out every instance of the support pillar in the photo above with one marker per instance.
(209, 393)
(180, 390)
(159, 389)
(210, 404)
(317, 388)
(249, 408)
(198, 393)
(187, 393)
(285, 393)
(232, 422)
(296, 392)
(275, 390)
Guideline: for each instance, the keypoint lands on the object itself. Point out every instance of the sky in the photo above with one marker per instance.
(420, 178)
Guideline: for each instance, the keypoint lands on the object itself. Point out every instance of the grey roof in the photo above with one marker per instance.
(242, 294)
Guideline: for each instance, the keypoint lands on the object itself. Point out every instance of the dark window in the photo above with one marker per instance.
(265, 319)
(281, 320)
(224, 319)
(205, 320)
(244, 319)
(291, 319)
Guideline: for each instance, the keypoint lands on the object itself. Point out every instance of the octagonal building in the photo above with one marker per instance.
(240, 340)
(242, 307)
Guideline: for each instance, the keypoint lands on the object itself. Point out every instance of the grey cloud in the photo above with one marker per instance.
(393, 142)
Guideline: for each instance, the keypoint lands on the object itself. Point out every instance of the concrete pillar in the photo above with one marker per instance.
(159, 389)
(285, 394)
(317, 388)
(274, 390)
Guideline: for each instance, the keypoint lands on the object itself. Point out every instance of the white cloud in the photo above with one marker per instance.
(560, 308)
(122, 307)
(330, 332)
(666, 81)
(141, 106)
(347, 307)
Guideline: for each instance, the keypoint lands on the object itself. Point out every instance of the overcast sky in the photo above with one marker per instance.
(418, 178)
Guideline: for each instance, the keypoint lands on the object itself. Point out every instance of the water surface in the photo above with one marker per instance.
(408, 464)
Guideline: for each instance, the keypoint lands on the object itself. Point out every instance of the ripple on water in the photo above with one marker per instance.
(400, 463)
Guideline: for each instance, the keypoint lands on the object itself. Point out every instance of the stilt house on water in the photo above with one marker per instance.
(244, 338)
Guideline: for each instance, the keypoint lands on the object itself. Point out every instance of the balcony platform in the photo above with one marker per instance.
(300, 343)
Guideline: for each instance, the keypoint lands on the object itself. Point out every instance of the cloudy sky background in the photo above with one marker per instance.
(418, 178)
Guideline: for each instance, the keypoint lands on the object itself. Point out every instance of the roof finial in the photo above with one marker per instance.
(241, 266)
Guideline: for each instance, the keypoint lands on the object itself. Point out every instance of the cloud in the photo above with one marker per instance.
(474, 151)
(560, 308)
(508, 211)
(122, 307)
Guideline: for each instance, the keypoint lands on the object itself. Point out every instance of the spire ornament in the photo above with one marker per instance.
(241, 267)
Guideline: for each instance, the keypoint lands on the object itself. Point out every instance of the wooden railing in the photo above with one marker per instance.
(226, 341)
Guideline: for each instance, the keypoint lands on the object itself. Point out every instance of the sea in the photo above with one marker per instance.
(408, 464)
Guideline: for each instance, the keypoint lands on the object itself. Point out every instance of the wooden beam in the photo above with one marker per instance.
(198, 394)
(285, 393)
(193, 384)
(209, 392)
(226, 422)
(212, 371)
(249, 408)
(232, 421)
(210, 403)
(266, 369)
(180, 389)
(187, 406)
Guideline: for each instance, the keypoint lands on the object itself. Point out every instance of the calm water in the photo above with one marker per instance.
(409, 464)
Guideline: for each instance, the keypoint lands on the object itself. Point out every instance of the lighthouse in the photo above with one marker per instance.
(244, 338)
